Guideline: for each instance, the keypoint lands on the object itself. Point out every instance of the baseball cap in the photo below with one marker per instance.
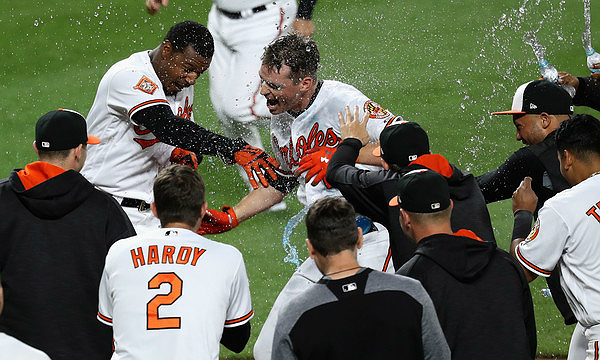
(62, 129)
(538, 96)
(422, 191)
(402, 143)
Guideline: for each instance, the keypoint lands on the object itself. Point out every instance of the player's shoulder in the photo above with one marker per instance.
(339, 89)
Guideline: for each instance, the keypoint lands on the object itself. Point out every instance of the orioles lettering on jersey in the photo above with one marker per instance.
(186, 111)
(166, 254)
(593, 211)
(316, 138)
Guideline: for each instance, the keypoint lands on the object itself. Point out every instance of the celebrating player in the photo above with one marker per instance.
(56, 230)
(241, 30)
(404, 146)
(143, 110)
(393, 314)
(480, 295)
(170, 293)
(566, 235)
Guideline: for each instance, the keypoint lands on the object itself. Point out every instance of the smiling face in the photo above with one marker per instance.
(179, 69)
(279, 89)
(529, 128)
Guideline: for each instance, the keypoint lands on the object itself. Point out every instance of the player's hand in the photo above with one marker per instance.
(184, 157)
(351, 127)
(565, 78)
(153, 6)
(596, 75)
(315, 162)
(524, 197)
(304, 27)
(216, 222)
(256, 163)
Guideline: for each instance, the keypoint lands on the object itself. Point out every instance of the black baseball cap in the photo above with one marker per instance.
(62, 129)
(402, 143)
(422, 191)
(538, 96)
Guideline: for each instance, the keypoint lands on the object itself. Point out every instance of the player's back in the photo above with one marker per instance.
(170, 292)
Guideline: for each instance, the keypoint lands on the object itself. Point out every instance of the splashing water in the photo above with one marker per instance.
(587, 32)
(538, 49)
(292, 252)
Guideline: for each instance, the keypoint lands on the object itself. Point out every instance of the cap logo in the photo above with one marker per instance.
(572, 108)
(45, 144)
(532, 106)
(435, 206)
(412, 157)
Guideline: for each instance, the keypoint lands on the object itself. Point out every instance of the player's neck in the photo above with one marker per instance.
(338, 266)
(179, 225)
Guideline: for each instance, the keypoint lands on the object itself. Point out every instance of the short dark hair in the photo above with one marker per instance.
(191, 33)
(296, 51)
(331, 225)
(178, 195)
(53, 155)
(580, 135)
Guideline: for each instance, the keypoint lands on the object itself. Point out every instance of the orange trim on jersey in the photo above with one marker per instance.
(146, 103)
(467, 233)
(435, 162)
(595, 350)
(105, 318)
(243, 318)
(37, 172)
(387, 259)
(528, 263)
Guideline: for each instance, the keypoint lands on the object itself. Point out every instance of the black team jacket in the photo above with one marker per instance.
(370, 192)
(53, 241)
(480, 294)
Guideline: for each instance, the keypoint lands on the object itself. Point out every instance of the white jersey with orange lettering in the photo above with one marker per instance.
(127, 87)
(169, 293)
(318, 125)
(567, 233)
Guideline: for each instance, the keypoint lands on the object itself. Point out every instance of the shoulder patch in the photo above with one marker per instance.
(146, 85)
(534, 232)
(375, 110)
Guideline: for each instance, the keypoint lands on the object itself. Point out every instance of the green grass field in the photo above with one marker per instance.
(444, 64)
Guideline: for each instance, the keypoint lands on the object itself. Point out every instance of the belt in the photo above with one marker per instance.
(141, 205)
(365, 224)
(243, 13)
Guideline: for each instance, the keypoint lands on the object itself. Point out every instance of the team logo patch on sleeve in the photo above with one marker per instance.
(534, 232)
(146, 85)
(375, 110)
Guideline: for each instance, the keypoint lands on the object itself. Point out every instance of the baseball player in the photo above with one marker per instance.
(241, 30)
(567, 231)
(170, 293)
(305, 131)
(144, 110)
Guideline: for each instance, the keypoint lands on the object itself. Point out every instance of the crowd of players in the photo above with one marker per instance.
(380, 203)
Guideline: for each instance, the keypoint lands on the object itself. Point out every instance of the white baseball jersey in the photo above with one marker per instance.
(319, 125)
(567, 233)
(169, 293)
(129, 157)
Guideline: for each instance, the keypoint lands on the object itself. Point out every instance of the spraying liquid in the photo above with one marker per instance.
(547, 71)
(592, 56)
(292, 252)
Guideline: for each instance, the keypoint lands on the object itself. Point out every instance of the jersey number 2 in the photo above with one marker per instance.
(153, 321)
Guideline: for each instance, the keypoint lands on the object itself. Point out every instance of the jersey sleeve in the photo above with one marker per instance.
(240, 310)
(131, 91)
(542, 249)
(105, 309)
(379, 118)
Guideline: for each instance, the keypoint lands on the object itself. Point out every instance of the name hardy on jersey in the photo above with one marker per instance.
(165, 254)
(316, 138)
(185, 112)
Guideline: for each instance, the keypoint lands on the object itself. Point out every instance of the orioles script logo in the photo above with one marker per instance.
(186, 111)
(292, 153)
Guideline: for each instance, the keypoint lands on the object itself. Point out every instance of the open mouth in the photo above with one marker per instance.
(271, 103)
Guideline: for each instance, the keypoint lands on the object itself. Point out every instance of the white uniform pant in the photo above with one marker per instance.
(142, 221)
(233, 72)
(585, 343)
(11, 348)
(375, 254)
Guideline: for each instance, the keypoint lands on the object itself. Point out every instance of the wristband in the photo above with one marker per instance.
(522, 224)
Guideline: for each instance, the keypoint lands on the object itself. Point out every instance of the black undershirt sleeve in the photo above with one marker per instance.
(499, 184)
(305, 9)
(236, 338)
(588, 93)
(177, 131)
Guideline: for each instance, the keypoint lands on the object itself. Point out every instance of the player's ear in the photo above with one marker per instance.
(546, 120)
(35, 148)
(311, 249)
(359, 243)
(153, 208)
(204, 207)
(166, 49)
(306, 83)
